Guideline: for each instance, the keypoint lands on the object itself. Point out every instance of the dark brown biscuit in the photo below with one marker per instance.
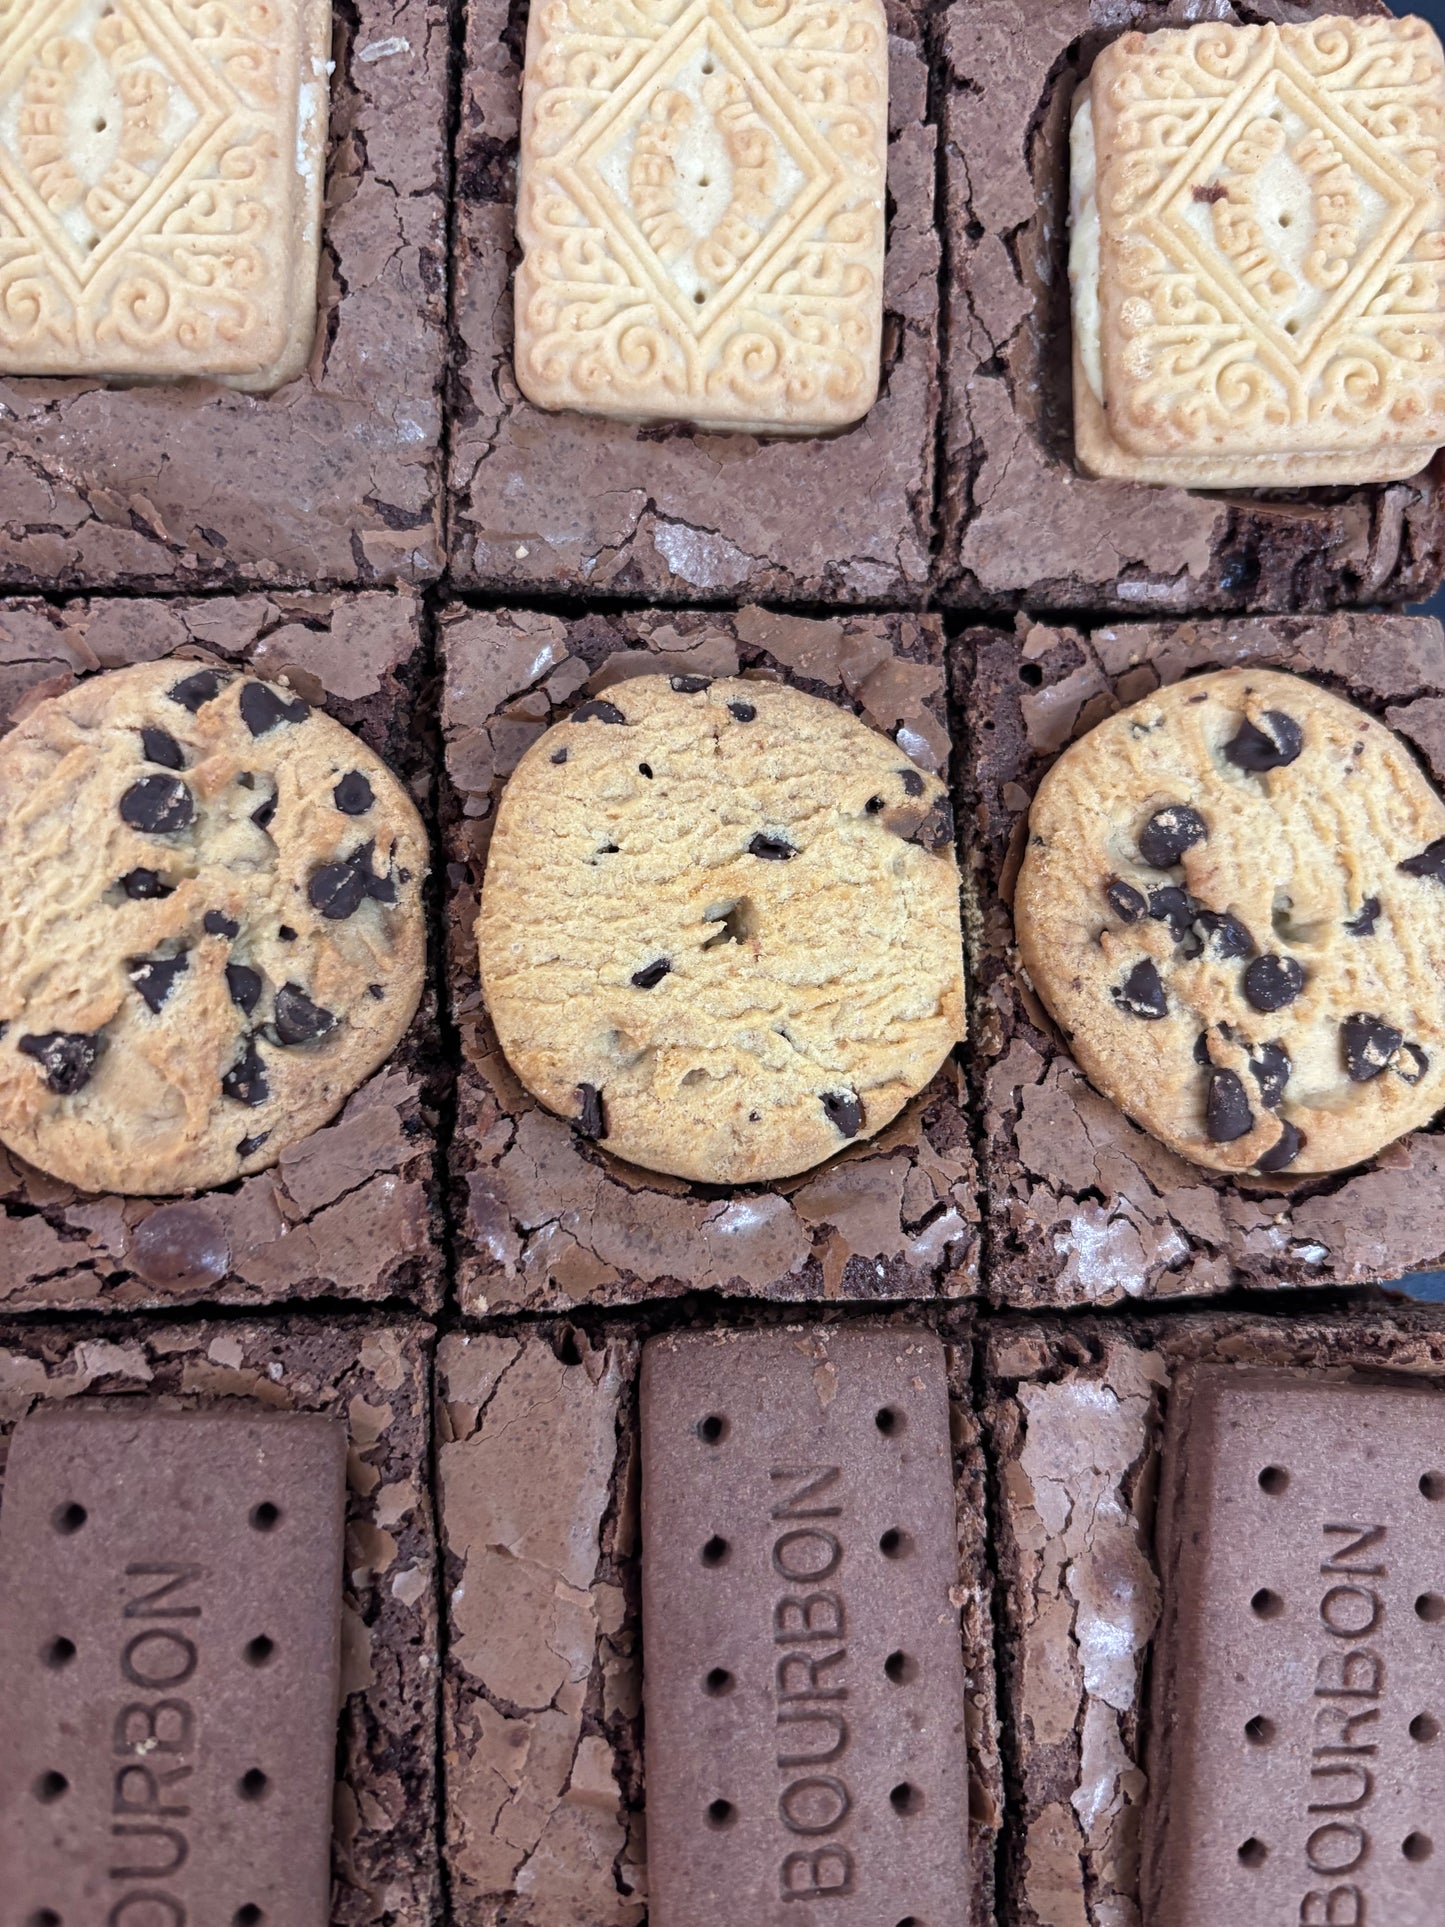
(170, 1604)
(1297, 1702)
(803, 1676)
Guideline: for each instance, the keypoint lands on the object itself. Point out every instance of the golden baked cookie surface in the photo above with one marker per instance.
(211, 927)
(1233, 904)
(1259, 218)
(720, 926)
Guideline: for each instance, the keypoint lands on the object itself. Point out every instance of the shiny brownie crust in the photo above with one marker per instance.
(537, 1446)
(1083, 1207)
(1019, 525)
(375, 1378)
(545, 503)
(545, 1220)
(1074, 1419)
(335, 479)
(354, 1210)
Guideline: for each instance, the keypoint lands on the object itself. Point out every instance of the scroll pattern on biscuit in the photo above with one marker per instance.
(743, 287)
(151, 164)
(1273, 228)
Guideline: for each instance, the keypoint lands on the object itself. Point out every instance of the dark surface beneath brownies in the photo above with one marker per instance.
(538, 1450)
(375, 1378)
(547, 503)
(1083, 1207)
(335, 478)
(354, 1210)
(1019, 526)
(544, 1220)
(1073, 1415)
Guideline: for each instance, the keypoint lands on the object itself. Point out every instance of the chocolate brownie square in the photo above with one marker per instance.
(334, 478)
(549, 502)
(1083, 1206)
(537, 1468)
(543, 1218)
(1019, 524)
(1074, 1420)
(353, 1210)
(375, 1379)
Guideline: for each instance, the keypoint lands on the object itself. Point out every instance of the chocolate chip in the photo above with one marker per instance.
(845, 1113)
(264, 813)
(67, 1057)
(143, 885)
(263, 710)
(560, 755)
(1201, 1048)
(1169, 833)
(745, 712)
(1141, 992)
(1125, 901)
(338, 890)
(158, 805)
(591, 1120)
(376, 991)
(1271, 1067)
(155, 977)
(1272, 981)
(935, 832)
(245, 1081)
(353, 795)
(913, 784)
(249, 1146)
(1368, 1043)
(1278, 743)
(244, 985)
(1429, 863)
(286, 933)
(1228, 1115)
(197, 690)
(598, 711)
(652, 974)
(1412, 1063)
(1175, 907)
(180, 1245)
(690, 685)
(297, 1019)
(772, 849)
(216, 923)
(1219, 935)
(1285, 1149)
(162, 748)
(1362, 924)
(645, 769)
(873, 805)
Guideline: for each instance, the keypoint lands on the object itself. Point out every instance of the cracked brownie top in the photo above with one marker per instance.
(210, 926)
(1232, 904)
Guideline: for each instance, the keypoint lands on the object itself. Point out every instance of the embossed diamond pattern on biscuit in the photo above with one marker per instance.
(702, 210)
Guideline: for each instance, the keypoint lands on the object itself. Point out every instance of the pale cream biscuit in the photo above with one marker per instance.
(720, 926)
(701, 209)
(211, 926)
(1233, 904)
(1256, 251)
(162, 165)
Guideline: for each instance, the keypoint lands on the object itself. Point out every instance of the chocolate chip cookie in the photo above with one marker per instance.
(720, 926)
(1233, 904)
(211, 927)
